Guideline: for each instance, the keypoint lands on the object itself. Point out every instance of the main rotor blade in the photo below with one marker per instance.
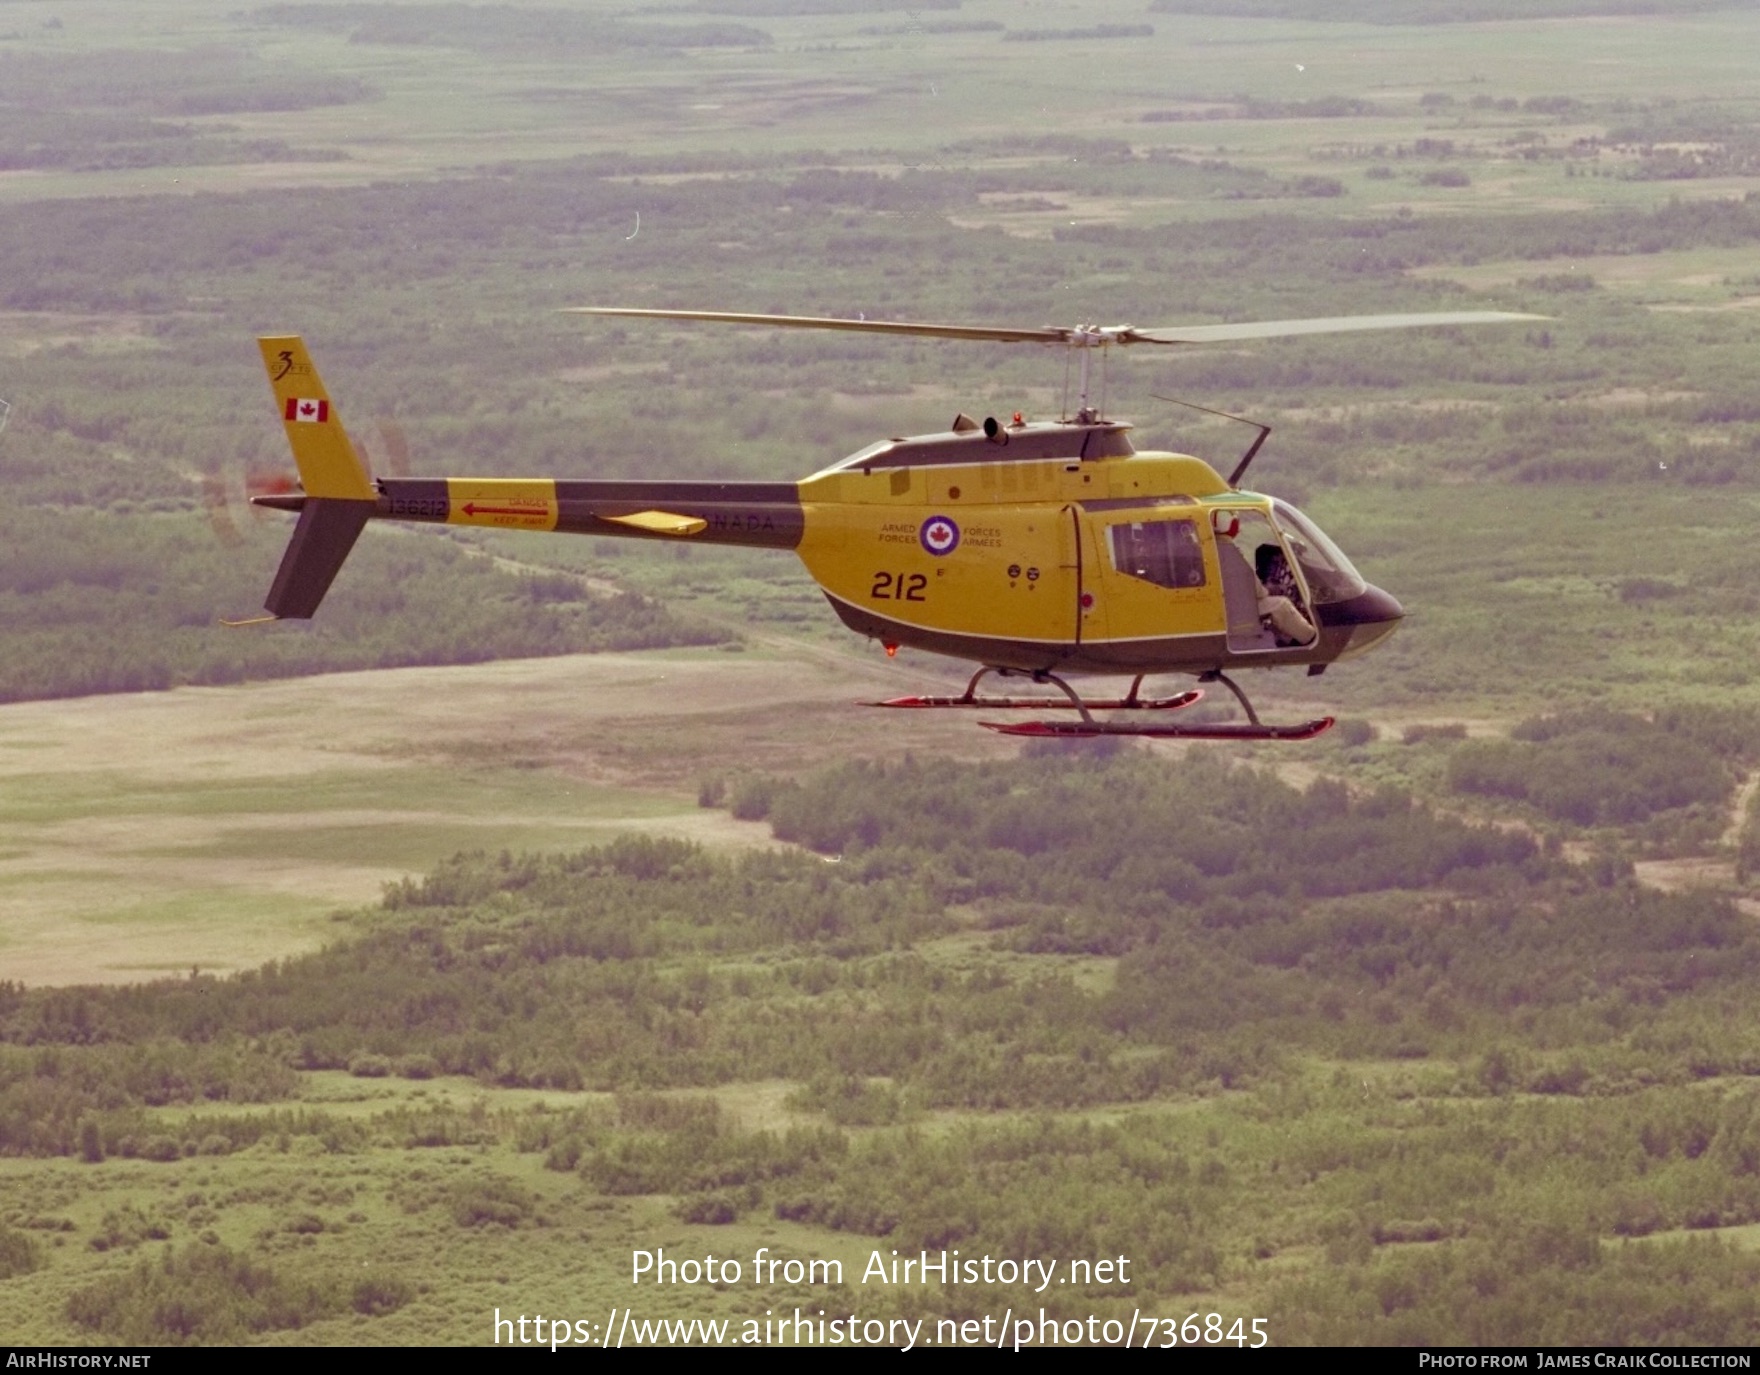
(1090, 336)
(1337, 324)
(1047, 335)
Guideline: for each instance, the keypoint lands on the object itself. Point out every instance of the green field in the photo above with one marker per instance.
(1436, 1030)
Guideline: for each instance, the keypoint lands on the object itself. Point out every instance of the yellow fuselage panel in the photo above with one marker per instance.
(1000, 572)
(507, 503)
(1148, 477)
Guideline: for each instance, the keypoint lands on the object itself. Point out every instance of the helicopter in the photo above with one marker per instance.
(1034, 549)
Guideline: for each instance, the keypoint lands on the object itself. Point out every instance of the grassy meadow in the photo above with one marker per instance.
(549, 901)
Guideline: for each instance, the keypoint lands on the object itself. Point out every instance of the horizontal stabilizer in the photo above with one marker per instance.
(661, 523)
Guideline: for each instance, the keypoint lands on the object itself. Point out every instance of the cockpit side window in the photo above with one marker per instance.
(1163, 552)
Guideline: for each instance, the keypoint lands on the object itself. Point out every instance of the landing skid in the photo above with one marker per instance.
(1129, 702)
(1087, 727)
(1158, 730)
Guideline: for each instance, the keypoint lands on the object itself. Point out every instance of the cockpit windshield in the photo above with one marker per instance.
(1328, 572)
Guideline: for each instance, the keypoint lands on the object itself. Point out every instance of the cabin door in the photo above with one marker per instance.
(1150, 577)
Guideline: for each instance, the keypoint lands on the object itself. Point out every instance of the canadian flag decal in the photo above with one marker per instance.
(307, 409)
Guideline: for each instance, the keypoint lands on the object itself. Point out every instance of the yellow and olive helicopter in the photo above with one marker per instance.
(1034, 548)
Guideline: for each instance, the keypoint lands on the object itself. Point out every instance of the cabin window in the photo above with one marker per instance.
(1164, 552)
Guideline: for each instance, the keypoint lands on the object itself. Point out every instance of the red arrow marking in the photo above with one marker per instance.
(472, 509)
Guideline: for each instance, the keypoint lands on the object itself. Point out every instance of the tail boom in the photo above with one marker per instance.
(340, 497)
(766, 515)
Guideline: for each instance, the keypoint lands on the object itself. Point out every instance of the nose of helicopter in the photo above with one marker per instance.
(1364, 620)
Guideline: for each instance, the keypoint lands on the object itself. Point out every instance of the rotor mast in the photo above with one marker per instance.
(1088, 338)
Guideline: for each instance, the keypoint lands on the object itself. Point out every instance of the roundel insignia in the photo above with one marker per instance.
(939, 535)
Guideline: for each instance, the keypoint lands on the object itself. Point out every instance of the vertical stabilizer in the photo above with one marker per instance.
(328, 464)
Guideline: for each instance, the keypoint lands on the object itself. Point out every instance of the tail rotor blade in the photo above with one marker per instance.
(218, 502)
(396, 444)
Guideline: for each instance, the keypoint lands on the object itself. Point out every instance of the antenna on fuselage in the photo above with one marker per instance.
(1240, 468)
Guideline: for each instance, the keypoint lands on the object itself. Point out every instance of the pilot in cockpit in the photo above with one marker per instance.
(1280, 597)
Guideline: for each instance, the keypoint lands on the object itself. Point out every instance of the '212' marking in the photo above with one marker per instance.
(899, 587)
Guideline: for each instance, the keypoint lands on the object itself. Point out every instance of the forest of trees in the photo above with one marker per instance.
(538, 31)
(89, 607)
(1557, 1012)
(1234, 904)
